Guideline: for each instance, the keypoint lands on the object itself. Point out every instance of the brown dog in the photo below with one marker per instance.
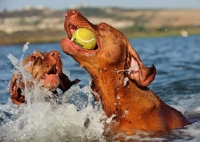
(45, 67)
(121, 79)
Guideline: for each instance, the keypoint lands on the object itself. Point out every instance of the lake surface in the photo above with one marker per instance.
(177, 83)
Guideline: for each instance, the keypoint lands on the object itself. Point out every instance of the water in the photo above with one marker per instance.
(177, 60)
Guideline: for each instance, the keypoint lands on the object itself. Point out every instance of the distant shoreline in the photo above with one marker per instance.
(56, 36)
(47, 25)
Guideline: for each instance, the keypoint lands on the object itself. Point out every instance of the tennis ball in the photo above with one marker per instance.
(84, 38)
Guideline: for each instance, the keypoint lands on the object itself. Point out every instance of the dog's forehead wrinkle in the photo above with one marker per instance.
(35, 76)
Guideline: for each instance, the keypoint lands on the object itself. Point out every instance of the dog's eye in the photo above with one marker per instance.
(33, 58)
(103, 26)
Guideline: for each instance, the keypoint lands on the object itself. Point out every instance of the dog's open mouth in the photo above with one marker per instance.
(51, 79)
(53, 71)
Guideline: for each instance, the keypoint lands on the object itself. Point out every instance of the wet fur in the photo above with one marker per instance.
(112, 62)
(38, 65)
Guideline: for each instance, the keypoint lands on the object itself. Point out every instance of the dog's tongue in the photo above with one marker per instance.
(51, 81)
(72, 29)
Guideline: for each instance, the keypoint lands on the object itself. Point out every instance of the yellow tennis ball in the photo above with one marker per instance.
(84, 38)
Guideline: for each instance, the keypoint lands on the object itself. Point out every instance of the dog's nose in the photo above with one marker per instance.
(70, 12)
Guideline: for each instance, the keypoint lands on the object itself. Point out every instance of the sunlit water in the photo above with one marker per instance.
(74, 116)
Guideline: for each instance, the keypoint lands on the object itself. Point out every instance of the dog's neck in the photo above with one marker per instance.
(115, 89)
(107, 88)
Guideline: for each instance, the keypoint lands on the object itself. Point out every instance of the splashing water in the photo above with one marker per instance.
(125, 81)
(73, 116)
(25, 47)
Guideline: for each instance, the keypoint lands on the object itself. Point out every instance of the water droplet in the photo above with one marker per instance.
(25, 46)
(125, 81)
(118, 97)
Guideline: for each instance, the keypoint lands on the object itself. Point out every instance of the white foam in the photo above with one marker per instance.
(45, 121)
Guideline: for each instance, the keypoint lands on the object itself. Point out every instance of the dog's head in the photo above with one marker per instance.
(113, 50)
(45, 68)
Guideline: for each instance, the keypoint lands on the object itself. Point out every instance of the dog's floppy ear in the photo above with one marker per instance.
(142, 75)
(15, 90)
(65, 83)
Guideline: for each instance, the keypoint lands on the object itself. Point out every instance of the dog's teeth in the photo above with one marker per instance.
(42, 77)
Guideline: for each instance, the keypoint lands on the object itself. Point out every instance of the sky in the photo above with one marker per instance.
(63, 4)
